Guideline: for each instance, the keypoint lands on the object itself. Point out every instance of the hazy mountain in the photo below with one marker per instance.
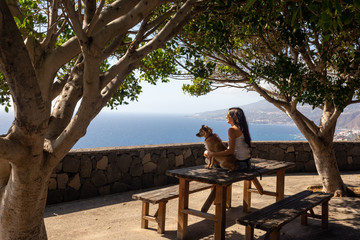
(263, 112)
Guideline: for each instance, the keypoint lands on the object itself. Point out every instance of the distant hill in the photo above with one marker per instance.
(263, 112)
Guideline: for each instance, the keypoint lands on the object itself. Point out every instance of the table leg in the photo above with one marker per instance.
(229, 194)
(183, 204)
(280, 184)
(247, 196)
(220, 212)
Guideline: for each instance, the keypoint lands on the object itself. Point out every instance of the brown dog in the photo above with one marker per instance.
(214, 144)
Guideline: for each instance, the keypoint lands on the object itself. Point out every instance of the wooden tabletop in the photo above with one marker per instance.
(224, 177)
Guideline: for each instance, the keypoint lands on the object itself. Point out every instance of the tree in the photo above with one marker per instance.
(82, 55)
(290, 52)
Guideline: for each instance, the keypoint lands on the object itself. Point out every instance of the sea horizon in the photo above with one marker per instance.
(117, 129)
(137, 129)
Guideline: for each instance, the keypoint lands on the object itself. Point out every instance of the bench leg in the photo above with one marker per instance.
(161, 217)
(275, 235)
(144, 213)
(304, 218)
(280, 184)
(249, 233)
(325, 215)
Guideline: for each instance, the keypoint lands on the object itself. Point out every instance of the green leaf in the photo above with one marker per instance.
(249, 4)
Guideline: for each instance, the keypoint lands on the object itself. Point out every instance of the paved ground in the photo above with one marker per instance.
(118, 216)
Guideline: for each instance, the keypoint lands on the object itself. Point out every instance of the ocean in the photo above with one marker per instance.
(113, 129)
(131, 129)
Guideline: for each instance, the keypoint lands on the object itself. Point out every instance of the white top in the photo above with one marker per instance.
(242, 150)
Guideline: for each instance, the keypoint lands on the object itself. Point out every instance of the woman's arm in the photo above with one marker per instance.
(231, 148)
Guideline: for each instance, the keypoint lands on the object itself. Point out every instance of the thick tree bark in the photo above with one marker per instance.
(25, 198)
(321, 143)
(326, 166)
(41, 135)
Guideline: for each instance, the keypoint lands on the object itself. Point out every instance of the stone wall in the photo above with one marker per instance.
(87, 173)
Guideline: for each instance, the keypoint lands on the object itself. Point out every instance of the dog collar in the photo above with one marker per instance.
(209, 136)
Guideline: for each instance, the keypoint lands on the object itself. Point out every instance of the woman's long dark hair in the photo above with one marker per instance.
(237, 114)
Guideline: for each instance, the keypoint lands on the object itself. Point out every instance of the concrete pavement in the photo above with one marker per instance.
(117, 216)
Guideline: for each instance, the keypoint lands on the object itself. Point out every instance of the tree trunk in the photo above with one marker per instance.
(326, 166)
(23, 202)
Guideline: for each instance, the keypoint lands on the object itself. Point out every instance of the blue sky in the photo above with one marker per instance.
(169, 98)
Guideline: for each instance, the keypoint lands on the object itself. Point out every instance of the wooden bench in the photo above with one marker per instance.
(162, 196)
(274, 216)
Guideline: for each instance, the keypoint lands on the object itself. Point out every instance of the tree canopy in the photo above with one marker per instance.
(290, 52)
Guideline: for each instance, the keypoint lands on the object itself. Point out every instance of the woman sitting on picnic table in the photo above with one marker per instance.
(239, 139)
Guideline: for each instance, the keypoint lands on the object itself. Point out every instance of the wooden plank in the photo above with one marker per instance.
(205, 215)
(258, 186)
(274, 194)
(224, 177)
(168, 193)
(279, 213)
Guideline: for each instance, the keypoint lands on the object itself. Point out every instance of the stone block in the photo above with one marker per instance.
(75, 182)
(102, 164)
(52, 184)
(146, 158)
(98, 178)
(136, 170)
(85, 166)
(71, 164)
(149, 167)
(290, 149)
(179, 160)
(62, 180)
(113, 174)
(163, 154)
(162, 167)
(88, 190)
(187, 153)
(125, 162)
(171, 160)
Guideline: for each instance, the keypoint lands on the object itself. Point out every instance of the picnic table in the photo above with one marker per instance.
(222, 180)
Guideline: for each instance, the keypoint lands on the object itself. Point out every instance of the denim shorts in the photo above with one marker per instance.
(244, 164)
